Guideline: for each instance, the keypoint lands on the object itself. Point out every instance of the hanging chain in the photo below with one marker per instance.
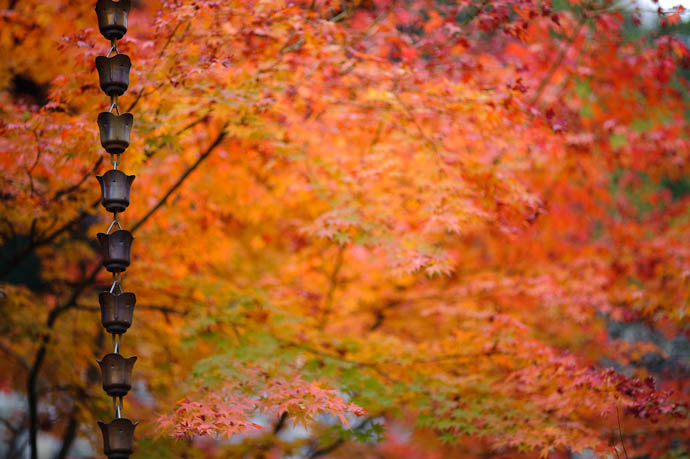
(117, 276)
(117, 306)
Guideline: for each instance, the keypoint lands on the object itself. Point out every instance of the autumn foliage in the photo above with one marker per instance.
(387, 228)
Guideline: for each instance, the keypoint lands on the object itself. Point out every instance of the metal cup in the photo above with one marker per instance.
(113, 73)
(115, 131)
(115, 249)
(112, 18)
(115, 186)
(118, 438)
(117, 311)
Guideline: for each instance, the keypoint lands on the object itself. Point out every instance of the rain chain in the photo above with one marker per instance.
(117, 306)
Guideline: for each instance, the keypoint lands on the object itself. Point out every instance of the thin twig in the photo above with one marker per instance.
(8, 425)
(160, 54)
(558, 61)
(69, 435)
(281, 423)
(412, 118)
(30, 170)
(76, 186)
(620, 432)
(332, 285)
(182, 130)
(338, 442)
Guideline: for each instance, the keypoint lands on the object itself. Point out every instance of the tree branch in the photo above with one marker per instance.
(8, 425)
(327, 449)
(75, 187)
(339, 442)
(558, 61)
(620, 432)
(160, 54)
(183, 177)
(281, 423)
(32, 395)
(18, 257)
(332, 285)
(191, 124)
(69, 436)
(12, 451)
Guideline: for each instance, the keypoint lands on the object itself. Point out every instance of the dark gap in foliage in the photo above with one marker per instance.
(29, 91)
(28, 271)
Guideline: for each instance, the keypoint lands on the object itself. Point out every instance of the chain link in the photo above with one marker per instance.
(117, 281)
(114, 100)
(117, 406)
(117, 341)
(113, 47)
(115, 222)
